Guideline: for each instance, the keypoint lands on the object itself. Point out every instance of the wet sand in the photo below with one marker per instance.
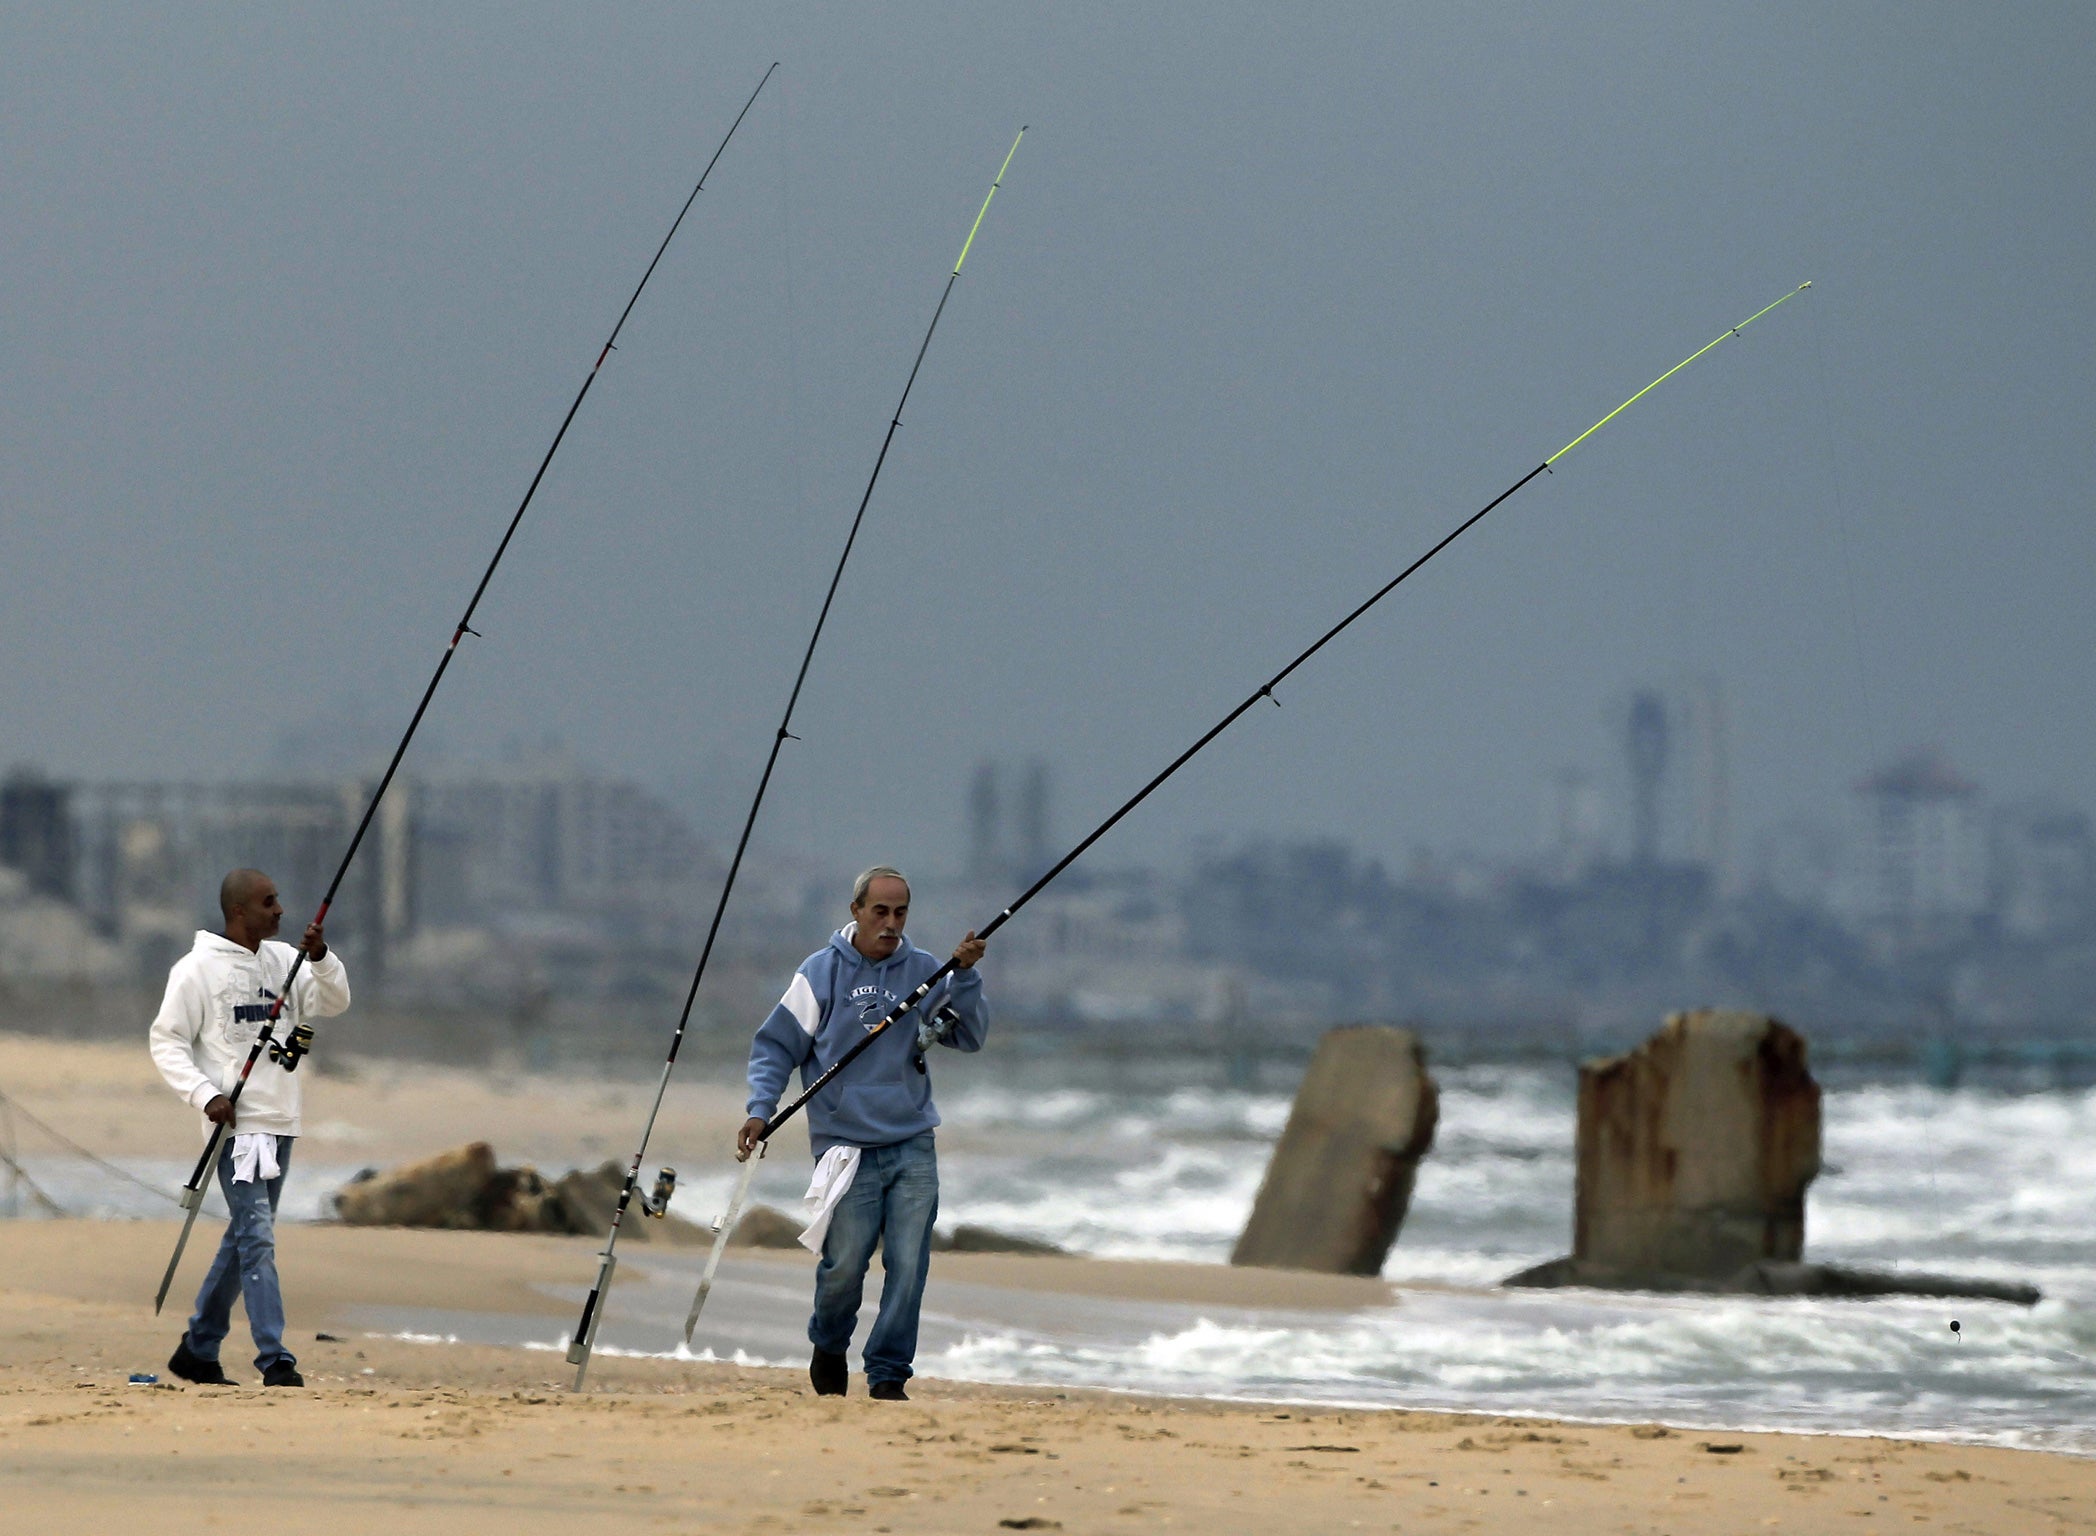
(414, 1438)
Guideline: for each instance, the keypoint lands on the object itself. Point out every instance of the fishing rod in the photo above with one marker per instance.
(657, 1203)
(290, 1051)
(1264, 691)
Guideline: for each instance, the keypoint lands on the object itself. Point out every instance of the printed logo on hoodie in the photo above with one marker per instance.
(872, 1002)
(254, 1013)
(243, 1004)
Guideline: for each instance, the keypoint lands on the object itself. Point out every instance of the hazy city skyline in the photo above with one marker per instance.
(1270, 302)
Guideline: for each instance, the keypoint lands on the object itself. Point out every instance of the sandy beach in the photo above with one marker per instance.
(417, 1434)
(415, 1437)
(110, 1098)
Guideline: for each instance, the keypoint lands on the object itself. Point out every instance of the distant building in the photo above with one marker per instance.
(540, 834)
(36, 832)
(1676, 750)
(1007, 834)
(152, 855)
(2044, 872)
(1923, 852)
(534, 847)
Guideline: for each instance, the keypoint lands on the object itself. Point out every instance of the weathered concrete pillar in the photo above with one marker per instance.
(1336, 1191)
(1695, 1149)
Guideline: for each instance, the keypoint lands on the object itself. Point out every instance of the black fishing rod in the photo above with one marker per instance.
(1264, 691)
(290, 1051)
(657, 1204)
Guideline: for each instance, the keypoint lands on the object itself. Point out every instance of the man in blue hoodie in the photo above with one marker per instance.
(871, 1129)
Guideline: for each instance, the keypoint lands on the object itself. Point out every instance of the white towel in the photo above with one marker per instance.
(255, 1154)
(834, 1173)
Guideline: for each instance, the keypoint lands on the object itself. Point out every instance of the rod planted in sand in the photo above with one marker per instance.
(593, 1305)
(193, 1191)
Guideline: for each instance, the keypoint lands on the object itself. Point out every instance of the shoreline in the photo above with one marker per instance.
(425, 1435)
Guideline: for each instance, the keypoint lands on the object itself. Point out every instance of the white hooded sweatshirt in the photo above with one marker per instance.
(217, 997)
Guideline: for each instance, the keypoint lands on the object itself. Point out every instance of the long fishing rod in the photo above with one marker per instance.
(289, 1052)
(657, 1204)
(1264, 691)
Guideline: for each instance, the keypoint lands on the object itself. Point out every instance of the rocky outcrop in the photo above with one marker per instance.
(764, 1226)
(970, 1238)
(464, 1189)
(452, 1189)
(1336, 1190)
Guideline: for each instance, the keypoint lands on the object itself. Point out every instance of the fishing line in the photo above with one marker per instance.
(1931, 1139)
(17, 1175)
(292, 1049)
(1265, 692)
(585, 1336)
(14, 1107)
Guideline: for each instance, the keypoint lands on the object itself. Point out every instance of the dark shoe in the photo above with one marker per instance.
(283, 1374)
(190, 1366)
(829, 1374)
(887, 1392)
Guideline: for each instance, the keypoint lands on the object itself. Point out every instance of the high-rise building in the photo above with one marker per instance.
(36, 832)
(985, 861)
(1923, 870)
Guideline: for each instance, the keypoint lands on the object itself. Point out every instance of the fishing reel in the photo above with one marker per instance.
(291, 1050)
(934, 1029)
(657, 1204)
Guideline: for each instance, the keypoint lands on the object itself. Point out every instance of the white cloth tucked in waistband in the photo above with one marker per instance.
(255, 1155)
(834, 1173)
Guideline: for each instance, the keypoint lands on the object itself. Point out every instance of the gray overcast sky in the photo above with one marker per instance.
(294, 297)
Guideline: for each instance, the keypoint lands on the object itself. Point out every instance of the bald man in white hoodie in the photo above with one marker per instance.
(217, 998)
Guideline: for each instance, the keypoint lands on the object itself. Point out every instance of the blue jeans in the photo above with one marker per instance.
(246, 1266)
(894, 1200)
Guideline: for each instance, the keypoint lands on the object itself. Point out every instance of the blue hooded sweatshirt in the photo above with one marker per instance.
(836, 995)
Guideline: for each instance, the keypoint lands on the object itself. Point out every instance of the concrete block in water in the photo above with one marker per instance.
(1695, 1151)
(1336, 1190)
(1696, 1148)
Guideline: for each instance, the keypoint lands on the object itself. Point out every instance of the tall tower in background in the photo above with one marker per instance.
(1677, 749)
(1710, 751)
(1645, 746)
(983, 852)
(1007, 834)
(1032, 828)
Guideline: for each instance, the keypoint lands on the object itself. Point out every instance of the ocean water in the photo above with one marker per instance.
(1981, 1182)
(1978, 1181)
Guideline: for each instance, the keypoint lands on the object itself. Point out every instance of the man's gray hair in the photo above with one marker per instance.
(878, 872)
